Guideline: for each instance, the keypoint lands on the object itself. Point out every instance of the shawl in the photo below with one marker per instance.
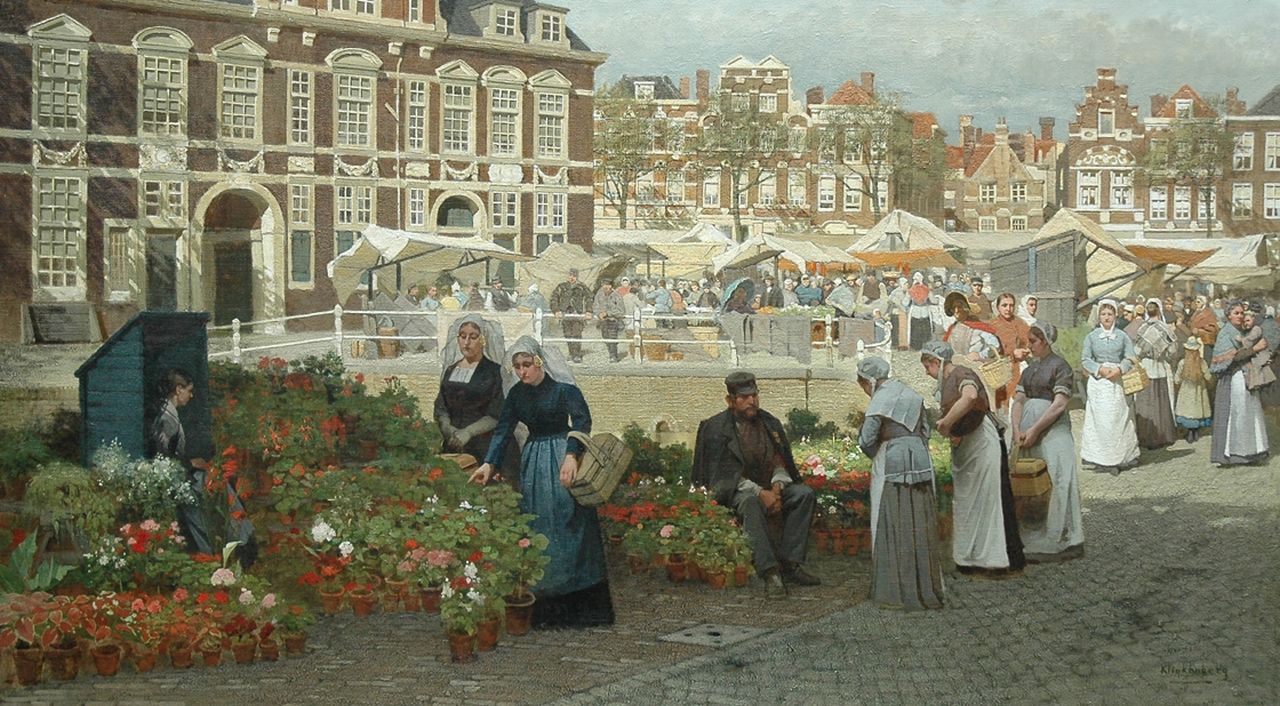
(895, 400)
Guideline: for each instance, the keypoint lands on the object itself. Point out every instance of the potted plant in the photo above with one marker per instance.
(462, 611)
(526, 567)
(21, 452)
(433, 571)
(66, 496)
(242, 631)
(18, 632)
(293, 622)
(640, 545)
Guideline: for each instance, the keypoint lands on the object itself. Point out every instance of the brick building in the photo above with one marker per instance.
(216, 154)
(1105, 148)
(1252, 187)
(1000, 181)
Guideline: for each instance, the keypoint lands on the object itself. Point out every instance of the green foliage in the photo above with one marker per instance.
(72, 502)
(803, 424)
(61, 434)
(18, 577)
(21, 452)
(1070, 344)
(672, 463)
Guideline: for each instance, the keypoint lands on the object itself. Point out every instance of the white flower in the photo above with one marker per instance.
(104, 560)
(467, 607)
(322, 532)
(346, 548)
(464, 505)
(446, 591)
(120, 563)
(470, 571)
(433, 499)
(475, 596)
(483, 510)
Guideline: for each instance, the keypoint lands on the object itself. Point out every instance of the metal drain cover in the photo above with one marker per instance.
(709, 635)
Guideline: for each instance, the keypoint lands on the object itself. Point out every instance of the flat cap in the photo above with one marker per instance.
(741, 383)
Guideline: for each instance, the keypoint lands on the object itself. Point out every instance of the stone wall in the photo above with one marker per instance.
(21, 407)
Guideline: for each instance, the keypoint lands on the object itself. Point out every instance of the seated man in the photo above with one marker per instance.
(742, 455)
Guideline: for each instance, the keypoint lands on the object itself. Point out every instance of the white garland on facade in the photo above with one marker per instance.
(368, 169)
(560, 178)
(466, 174)
(44, 155)
(251, 165)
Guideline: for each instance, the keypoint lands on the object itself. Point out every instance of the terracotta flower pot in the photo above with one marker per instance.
(269, 650)
(852, 541)
(28, 664)
(244, 650)
(181, 655)
(659, 560)
(741, 574)
(487, 635)
(106, 659)
(412, 601)
(143, 658)
(519, 614)
(615, 540)
(676, 570)
(211, 655)
(64, 663)
(837, 542)
(639, 565)
(295, 643)
(331, 601)
(461, 647)
(716, 579)
(694, 570)
(362, 602)
(431, 599)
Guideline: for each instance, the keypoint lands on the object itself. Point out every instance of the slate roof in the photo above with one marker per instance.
(663, 88)
(458, 14)
(1269, 105)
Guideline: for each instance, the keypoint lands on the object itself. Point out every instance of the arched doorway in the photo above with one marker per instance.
(229, 223)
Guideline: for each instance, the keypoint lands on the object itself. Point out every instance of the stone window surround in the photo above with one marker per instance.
(240, 51)
(77, 292)
(59, 32)
(164, 43)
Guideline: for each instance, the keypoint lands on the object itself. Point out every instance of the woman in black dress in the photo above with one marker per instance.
(472, 388)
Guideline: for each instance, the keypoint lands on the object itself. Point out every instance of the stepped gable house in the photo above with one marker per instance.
(216, 154)
(1105, 146)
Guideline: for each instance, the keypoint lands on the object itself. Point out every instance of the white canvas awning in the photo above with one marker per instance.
(552, 267)
(1236, 262)
(901, 230)
(420, 257)
(764, 247)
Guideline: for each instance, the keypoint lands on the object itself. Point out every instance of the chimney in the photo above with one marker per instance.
(684, 86)
(966, 131)
(1002, 132)
(815, 96)
(869, 82)
(703, 83)
(1106, 76)
(1158, 102)
(1046, 128)
(1234, 106)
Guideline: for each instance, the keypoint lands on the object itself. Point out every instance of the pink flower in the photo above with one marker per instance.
(524, 542)
(138, 605)
(180, 595)
(149, 526)
(223, 577)
(418, 554)
(269, 601)
(246, 597)
(667, 531)
(173, 526)
(439, 558)
(406, 567)
(813, 460)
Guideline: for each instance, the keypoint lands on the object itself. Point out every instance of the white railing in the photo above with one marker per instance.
(639, 336)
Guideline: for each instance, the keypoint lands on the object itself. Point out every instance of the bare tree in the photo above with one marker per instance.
(738, 140)
(629, 138)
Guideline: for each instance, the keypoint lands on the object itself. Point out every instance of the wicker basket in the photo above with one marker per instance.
(996, 373)
(604, 459)
(1136, 380)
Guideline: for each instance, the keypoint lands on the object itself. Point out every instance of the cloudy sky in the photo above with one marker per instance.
(990, 58)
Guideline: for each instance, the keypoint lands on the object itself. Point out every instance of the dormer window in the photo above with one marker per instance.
(1182, 107)
(552, 28)
(505, 22)
(644, 90)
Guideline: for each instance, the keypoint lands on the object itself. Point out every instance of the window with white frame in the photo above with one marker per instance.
(117, 263)
(644, 187)
(551, 117)
(986, 224)
(163, 90)
(739, 102)
(1206, 208)
(504, 122)
(711, 190)
(1182, 203)
(1158, 203)
(767, 189)
(60, 88)
(241, 98)
(300, 199)
(1087, 189)
(301, 255)
(827, 193)
(1272, 152)
(1106, 123)
(852, 147)
(549, 211)
(1121, 189)
(853, 193)
(1018, 192)
(1018, 223)
(1241, 200)
(59, 231)
(506, 21)
(352, 210)
(644, 90)
(415, 10)
(675, 186)
(796, 139)
(358, 7)
(1182, 107)
(416, 205)
(354, 107)
(1271, 201)
(163, 199)
(987, 193)
(459, 117)
(505, 209)
(882, 193)
(300, 106)
(797, 186)
(552, 27)
(768, 103)
(416, 116)
(1242, 155)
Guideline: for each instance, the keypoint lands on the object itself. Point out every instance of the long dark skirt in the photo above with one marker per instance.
(1153, 416)
(921, 330)
(906, 570)
(1012, 537)
(574, 590)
